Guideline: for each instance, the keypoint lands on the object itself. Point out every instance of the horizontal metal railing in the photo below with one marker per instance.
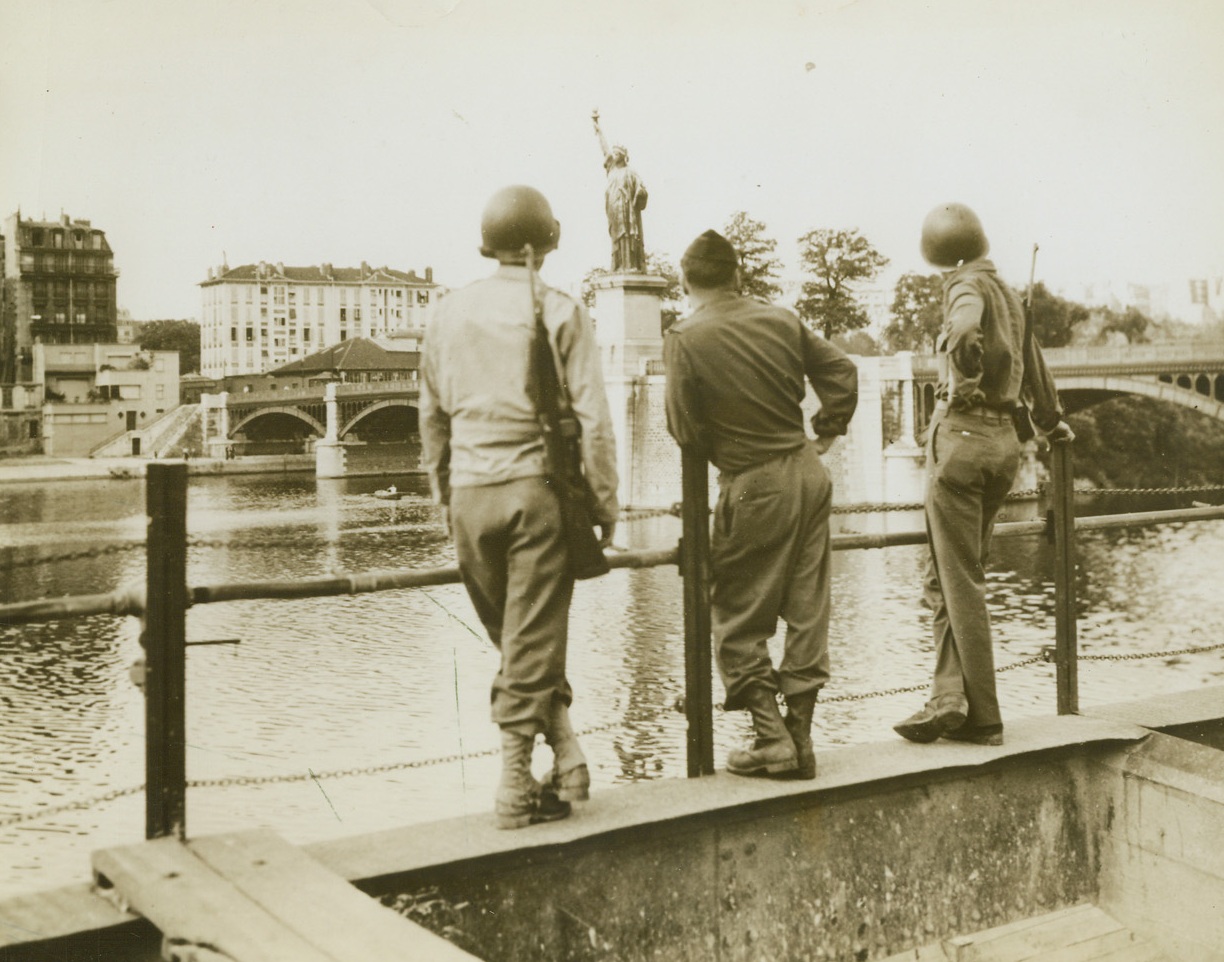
(166, 596)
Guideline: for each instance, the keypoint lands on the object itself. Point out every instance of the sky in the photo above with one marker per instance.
(305, 131)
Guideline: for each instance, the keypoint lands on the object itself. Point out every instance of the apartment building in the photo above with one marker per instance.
(93, 393)
(261, 316)
(59, 288)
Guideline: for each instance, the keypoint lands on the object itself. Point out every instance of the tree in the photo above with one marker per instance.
(657, 264)
(758, 266)
(1054, 317)
(835, 259)
(917, 313)
(181, 336)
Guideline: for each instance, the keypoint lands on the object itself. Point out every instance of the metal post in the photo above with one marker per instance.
(164, 638)
(1066, 650)
(695, 569)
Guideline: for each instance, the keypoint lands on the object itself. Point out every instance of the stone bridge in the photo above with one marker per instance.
(327, 416)
(1188, 373)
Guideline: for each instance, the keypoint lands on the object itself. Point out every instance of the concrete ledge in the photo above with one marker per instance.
(1161, 712)
(640, 812)
(644, 808)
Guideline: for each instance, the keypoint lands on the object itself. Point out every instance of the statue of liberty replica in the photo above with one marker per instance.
(625, 199)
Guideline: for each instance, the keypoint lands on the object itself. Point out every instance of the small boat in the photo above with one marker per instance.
(388, 494)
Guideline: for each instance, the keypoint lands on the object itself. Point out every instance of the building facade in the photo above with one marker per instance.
(95, 393)
(59, 288)
(261, 316)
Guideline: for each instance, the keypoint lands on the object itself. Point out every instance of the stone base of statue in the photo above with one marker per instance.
(629, 330)
(629, 321)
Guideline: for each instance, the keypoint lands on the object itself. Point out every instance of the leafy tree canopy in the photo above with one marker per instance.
(917, 313)
(759, 268)
(181, 336)
(1054, 317)
(833, 261)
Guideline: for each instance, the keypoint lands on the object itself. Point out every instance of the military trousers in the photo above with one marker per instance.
(770, 558)
(972, 460)
(512, 558)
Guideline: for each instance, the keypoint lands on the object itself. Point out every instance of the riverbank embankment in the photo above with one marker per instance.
(35, 468)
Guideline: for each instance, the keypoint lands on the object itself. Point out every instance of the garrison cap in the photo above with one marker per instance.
(711, 247)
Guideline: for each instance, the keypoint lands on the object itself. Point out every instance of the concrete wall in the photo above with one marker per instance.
(1162, 854)
(855, 874)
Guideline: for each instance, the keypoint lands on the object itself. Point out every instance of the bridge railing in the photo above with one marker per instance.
(166, 596)
(343, 389)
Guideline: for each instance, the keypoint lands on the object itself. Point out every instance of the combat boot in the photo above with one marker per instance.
(773, 751)
(520, 799)
(799, 711)
(571, 778)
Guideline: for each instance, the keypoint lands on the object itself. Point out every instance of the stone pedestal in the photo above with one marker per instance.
(629, 330)
(629, 321)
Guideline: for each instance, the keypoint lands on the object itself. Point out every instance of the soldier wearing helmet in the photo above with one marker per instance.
(989, 367)
(483, 452)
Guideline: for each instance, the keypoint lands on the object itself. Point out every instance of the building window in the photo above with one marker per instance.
(80, 318)
(161, 391)
(422, 297)
(306, 334)
(234, 335)
(278, 295)
(356, 313)
(343, 314)
(36, 237)
(250, 334)
(57, 239)
(293, 313)
(97, 242)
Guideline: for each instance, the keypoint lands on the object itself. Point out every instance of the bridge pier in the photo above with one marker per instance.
(331, 456)
(215, 420)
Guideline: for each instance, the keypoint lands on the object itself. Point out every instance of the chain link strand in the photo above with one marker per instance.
(490, 752)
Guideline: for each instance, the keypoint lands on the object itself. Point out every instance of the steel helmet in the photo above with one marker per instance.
(951, 234)
(517, 216)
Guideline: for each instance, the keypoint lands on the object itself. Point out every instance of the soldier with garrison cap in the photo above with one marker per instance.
(735, 382)
(483, 450)
(988, 365)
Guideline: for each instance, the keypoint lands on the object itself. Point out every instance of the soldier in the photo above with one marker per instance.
(988, 363)
(735, 382)
(482, 449)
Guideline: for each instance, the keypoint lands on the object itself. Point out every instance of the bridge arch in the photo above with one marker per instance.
(289, 409)
(369, 409)
(1083, 391)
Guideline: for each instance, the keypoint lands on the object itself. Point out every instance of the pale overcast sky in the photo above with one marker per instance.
(305, 131)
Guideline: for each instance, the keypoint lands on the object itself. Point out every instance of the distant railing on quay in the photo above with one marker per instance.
(167, 595)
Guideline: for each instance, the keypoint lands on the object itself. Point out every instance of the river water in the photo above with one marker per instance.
(398, 678)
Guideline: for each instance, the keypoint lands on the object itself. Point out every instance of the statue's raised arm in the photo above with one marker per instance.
(625, 199)
(603, 141)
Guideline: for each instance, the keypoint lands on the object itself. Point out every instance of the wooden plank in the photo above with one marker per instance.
(191, 904)
(324, 909)
(55, 913)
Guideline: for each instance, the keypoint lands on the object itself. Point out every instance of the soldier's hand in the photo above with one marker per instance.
(605, 534)
(824, 443)
(1061, 432)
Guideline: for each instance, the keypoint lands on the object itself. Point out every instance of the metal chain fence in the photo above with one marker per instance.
(246, 780)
